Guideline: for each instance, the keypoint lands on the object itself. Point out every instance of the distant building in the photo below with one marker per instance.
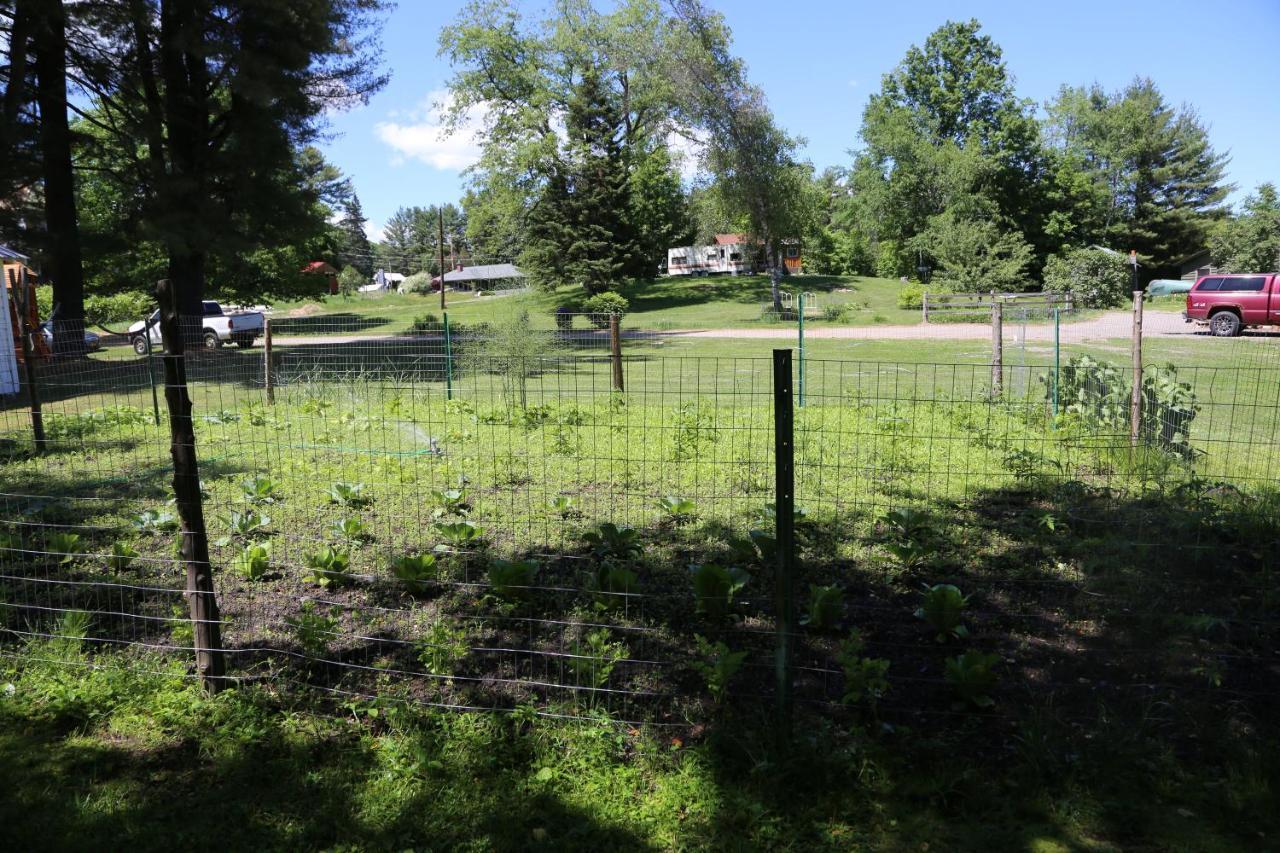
(481, 276)
(735, 254)
(1192, 267)
(328, 270)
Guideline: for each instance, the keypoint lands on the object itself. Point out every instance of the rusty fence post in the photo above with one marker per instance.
(203, 604)
(22, 298)
(268, 381)
(615, 350)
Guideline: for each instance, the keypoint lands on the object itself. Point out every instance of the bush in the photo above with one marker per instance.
(117, 308)
(600, 306)
(350, 280)
(427, 323)
(911, 296)
(564, 318)
(1098, 278)
(419, 282)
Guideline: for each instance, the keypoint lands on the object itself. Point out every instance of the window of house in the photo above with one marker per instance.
(735, 256)
(1249, 283)
(793, 252)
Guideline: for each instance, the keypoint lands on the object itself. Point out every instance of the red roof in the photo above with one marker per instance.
(731, 239)
(320, 267)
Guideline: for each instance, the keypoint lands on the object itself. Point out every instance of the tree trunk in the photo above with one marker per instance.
(65, 266)
(775, 276)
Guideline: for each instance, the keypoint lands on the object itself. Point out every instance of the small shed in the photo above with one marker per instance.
(1196, 265)
(328, 270)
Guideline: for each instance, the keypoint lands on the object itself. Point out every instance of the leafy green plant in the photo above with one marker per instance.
(612, 542)
(121, 556)
(717, 665)
(511, 579)
(612, 584)
(864, 678)
(566, 507)
(155, 521)
(972, 676)
(181, 629)
(71, 631)
(248, 522)
(459, 534)
(942, 609)
(65, 545)
(714, 587)
(826, 606)
(913, 537)
(693, 427)
(450, 502)
(598, 308)
(347, 494)
(329, 567)
(678, 510)
(595, 657)
(442, 647)
(260, 490)
(313, 629)
(350, 529)
(414, 570)
(253, 562)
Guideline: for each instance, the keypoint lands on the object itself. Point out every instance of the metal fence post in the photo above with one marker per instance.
(22, 297)
(267, 381)
(997, 346)
(1135, 403)
(784, 505)
(1057, 361)
(800, 340)
(151, 371)
(615, 349)
(448, 351)
(186, 490)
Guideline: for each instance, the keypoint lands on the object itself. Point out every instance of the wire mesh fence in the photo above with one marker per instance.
(481, 519)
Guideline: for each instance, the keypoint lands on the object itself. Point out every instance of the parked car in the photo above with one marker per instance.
(241, 328)
(1231, 303)
(91, 340)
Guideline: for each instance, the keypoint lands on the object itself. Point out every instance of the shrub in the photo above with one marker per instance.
(350, 280)
(564, 318)
(419, 282)
(116, 308)
(1097, 278)
(911, 296)
(602, 305)
(427, 323)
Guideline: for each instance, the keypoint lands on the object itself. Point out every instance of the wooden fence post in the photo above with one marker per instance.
(267, 380)
(615, 350)
(997, 346)
(22, 298)
(1135, 403)
(924, 306)
(186, 490)
(784, 533)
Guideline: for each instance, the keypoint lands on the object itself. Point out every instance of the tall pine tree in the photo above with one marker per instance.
(356, 250)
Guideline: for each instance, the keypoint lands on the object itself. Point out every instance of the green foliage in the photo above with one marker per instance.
(565, 507)
(350, 529)
(826, 607)
(313, 629)
(678, 510)
(602, 306)
(248, 522)
(511, 351)
(693, 428)
(328, 568)
(350, 280)
(60, 425)
(459, 534)
(714, 587)
(717, 665)
(610, 542)
(415, 570)
(155, 520)
(972, 676)
(512, 580)
(1096, 278)
(260, 490)
(1250, 241)
(114, 309)
(347, 494)
(911, 297)
(913, 537)
(612, 584)
(864, 678)
(419, 282)
(974, 253)
(121, 556)
(943, 608)
(253, 562)
(443, 647)
(449, 502)
(65, 546)
(594, 658)
(182, 628)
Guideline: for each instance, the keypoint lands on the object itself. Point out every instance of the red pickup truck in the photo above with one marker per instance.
(1229, 303)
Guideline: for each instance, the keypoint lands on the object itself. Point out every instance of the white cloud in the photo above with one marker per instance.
(422, 135)
(373, 231)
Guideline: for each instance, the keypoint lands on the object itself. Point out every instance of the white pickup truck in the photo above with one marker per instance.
(240, 328)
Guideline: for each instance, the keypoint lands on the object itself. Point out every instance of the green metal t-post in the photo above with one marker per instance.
(1057, 362)
(800, 395)
(448, 355)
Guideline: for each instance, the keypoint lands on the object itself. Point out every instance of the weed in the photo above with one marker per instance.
(511, 580)
(826, 606)
(260, 490)
(347, 494)
(253, 562)
(414, 570)
(864, 677)
(612, 584)
(972, 676)
(181, 629)
(595, 658)
(121, 556)
(717, 665)
(350, 529)
(329, 568)
(715, 586)
(312, 628)
(247, 523)
(450, 502)
(693, 427)
(442, 647)
(678, 510)
(65, 544)
(612, 542)
(913, 537)
(565, 507)
(459, 534)
(943, 605)
(155, 521)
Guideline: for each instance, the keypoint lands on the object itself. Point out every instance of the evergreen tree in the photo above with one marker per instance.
(355, 249)
(1250, 242)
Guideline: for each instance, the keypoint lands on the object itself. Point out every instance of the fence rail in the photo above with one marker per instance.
(950, 304)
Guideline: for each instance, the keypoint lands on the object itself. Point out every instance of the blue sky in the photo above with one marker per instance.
(818, 60)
